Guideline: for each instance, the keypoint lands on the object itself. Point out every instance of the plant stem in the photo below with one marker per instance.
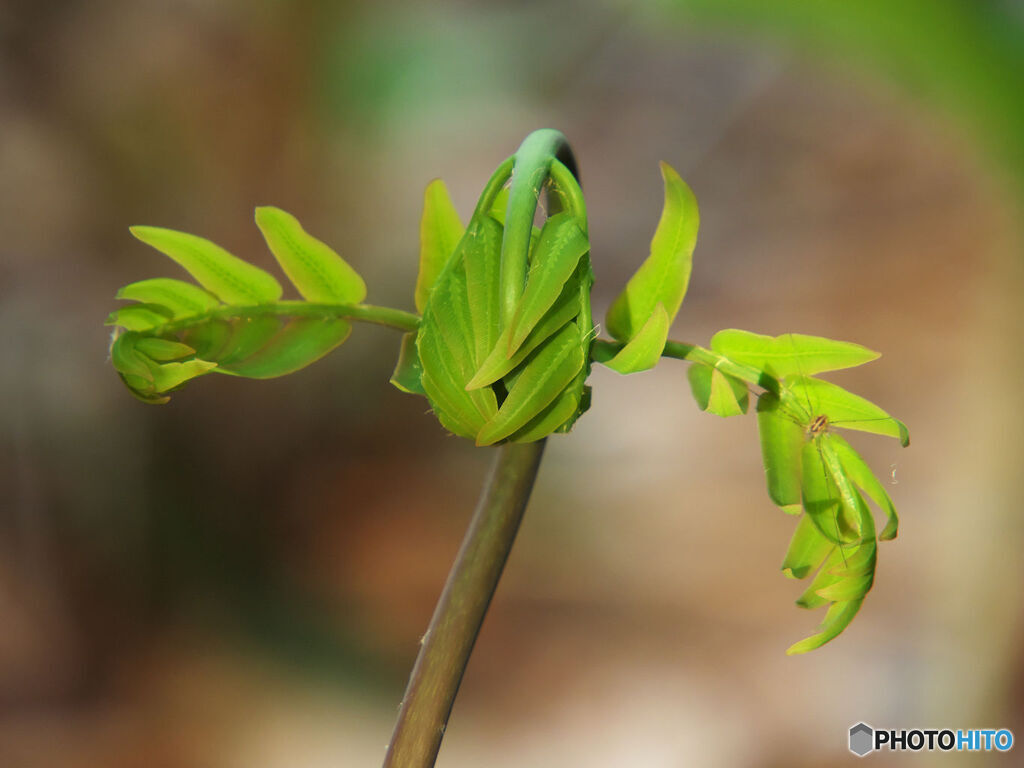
(603, 350)
(460, 611)
(532, 166)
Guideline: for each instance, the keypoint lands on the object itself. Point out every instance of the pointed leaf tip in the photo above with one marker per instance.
(837, 618)
(319, 274)
(181, 298)
(791, 354)
(440, 231)
(665, 275)
(223, 274)
(643, 351)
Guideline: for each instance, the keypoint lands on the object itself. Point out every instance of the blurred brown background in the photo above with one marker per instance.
(241, 577)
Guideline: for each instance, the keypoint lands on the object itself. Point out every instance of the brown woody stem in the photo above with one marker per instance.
(460, 611)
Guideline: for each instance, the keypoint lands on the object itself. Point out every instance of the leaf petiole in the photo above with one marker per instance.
(604, 350)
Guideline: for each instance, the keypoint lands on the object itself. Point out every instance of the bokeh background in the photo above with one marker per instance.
(241, 577)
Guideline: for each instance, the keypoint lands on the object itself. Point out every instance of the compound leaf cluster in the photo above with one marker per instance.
(505, 343)
(812, 470)
(233, 320)
(488, 379)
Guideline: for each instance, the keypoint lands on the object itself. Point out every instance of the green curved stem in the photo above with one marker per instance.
(493, 186)
(532, 167)
(365, 313)
(453, 630)
(569, 192)
(604, 350)
(474, 576)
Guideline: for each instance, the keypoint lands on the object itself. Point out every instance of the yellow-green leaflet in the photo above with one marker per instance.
(446, 342)
(481, 258)
(844, 409)
(792, 354)
(320, 274)
(854, 512)
(440, 231)
(139, 317)
(563, 408)
(564, 309)
(442, 381)
(540, 381)
(717, 392)
(224, 275)
(643, 351)
(837, 619)
(782, 441)
(181, 298)
(235, 323)
(820, 496)
(408, 372)
(807, 549)
(248, 336)
(163, 350)
(665, 274)
(554, 258)
(148, 368)
(294, 345)
(860, 473)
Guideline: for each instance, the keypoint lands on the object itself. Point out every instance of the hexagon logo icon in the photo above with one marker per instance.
(862, 739)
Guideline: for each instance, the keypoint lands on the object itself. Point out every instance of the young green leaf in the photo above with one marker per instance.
(643, 351)
(320, 274)
(563, 408)
(665, 274)
(455, 412)
(860, 473)
(807, 550)
(168, 376)
(140, 361)
(181, 298)
(139, 317)
(480, 251)
(210, 339)
(224, 275)
(790, 354)
(499, 208)
(554, 259)
(782, 441)
(443, 381)
(446, 342)
(498, 364)
(408, 373)
(540, 381)
(717, 392)
(847, 574)
(248, 336)
(820, 496)
(837, 619)
(448, 315)
(128, 361)
(301, 341)
(163, 350)
(583, 402)
(857, 560)
(844, 409)
(440, 232)
(855, 512)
